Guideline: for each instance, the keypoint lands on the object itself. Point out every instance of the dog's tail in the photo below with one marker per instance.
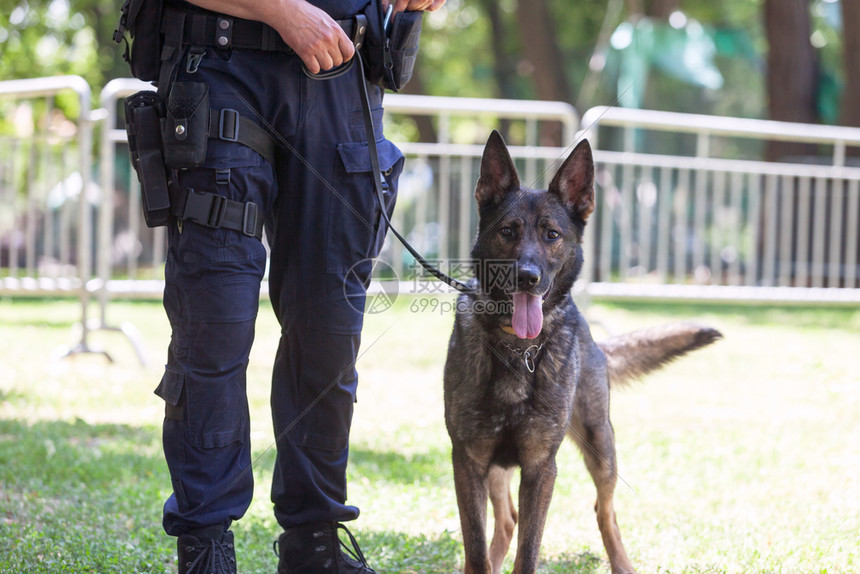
(632, 355)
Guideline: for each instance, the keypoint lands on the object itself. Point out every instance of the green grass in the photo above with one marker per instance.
(742, 458)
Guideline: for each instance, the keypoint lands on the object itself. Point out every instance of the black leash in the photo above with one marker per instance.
(376, 174)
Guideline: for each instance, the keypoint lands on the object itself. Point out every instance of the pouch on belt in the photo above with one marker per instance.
(185, 126)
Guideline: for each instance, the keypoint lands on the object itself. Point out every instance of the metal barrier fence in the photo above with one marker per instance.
(711, 228)
(46, 192)
(44, 175)
(700, 224)
(435, 206)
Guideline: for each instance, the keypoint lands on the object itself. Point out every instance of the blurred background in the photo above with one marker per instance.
(792, 60)
(726, 138)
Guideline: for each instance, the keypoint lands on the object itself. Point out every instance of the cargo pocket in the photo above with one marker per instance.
(356, 226)
(212, 416)
(171, 390)
(329, 442)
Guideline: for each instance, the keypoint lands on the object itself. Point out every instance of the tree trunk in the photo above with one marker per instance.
(850, 114)
(544, 59)
(792, 71)
(424, 124)
(504, 64)
(660, 9)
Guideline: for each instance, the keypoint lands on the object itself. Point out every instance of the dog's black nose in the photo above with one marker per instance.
(528, 276)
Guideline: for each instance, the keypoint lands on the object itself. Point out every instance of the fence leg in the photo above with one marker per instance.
(83, 346)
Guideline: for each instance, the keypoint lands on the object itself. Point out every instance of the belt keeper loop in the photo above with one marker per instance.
(222, 176)
(359, 32)
(224, 33)
(249, 219)
(228, 125)
(269, 39)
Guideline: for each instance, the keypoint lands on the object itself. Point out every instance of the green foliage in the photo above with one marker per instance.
(46, 37)
(41, 38)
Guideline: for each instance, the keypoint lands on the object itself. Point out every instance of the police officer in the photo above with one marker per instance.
(311, 186)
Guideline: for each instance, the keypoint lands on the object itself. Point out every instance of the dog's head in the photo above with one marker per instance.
(529, 245)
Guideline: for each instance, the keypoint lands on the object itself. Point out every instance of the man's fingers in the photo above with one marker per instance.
(415, 5)
(347, 49)
(312, 65)
(328, 52)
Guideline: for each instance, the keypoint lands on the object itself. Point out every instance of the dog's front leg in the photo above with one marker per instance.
(504, 515)
(536, 486)
(470, 483)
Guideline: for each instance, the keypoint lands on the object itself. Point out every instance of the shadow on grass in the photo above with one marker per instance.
(391, 466)
(443, 554)
(391, 551)
(585, 562)
(386, 551)
(59, 454)
(76, 497)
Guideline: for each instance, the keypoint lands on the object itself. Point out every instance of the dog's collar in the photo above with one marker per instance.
(529, 355)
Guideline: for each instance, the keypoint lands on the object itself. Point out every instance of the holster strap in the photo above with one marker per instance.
(212, 210)
(228, 125)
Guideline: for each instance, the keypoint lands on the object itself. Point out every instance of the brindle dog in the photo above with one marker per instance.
(522, 369)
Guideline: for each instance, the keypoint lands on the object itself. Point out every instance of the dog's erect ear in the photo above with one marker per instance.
(574, 182)
(498, 173)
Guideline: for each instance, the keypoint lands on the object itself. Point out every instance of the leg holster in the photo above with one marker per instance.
(168, 131)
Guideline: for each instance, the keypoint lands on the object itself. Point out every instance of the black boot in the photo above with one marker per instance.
(206, 553)
(316, 548)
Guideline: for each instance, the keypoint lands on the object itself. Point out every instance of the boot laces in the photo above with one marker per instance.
(355, 552)
(212, 557)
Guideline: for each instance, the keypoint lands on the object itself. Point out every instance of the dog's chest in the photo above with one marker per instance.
(526, 430)
(512, 385)
(540, 374)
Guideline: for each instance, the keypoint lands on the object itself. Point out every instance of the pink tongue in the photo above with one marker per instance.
(528, 315)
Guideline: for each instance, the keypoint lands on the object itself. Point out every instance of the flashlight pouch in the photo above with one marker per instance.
(143, 114)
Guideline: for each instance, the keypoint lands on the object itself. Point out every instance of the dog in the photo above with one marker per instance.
(522, 370)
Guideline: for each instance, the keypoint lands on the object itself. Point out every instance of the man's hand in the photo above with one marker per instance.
(311, 32)
(317, 39)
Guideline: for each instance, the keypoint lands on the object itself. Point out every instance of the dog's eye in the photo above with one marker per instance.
(506, 231)
(553, 234)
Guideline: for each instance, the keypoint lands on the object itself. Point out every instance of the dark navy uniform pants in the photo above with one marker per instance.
(323, 223)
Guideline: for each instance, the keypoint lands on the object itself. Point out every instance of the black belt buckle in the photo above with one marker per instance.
(206, 209)
(217, 211)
